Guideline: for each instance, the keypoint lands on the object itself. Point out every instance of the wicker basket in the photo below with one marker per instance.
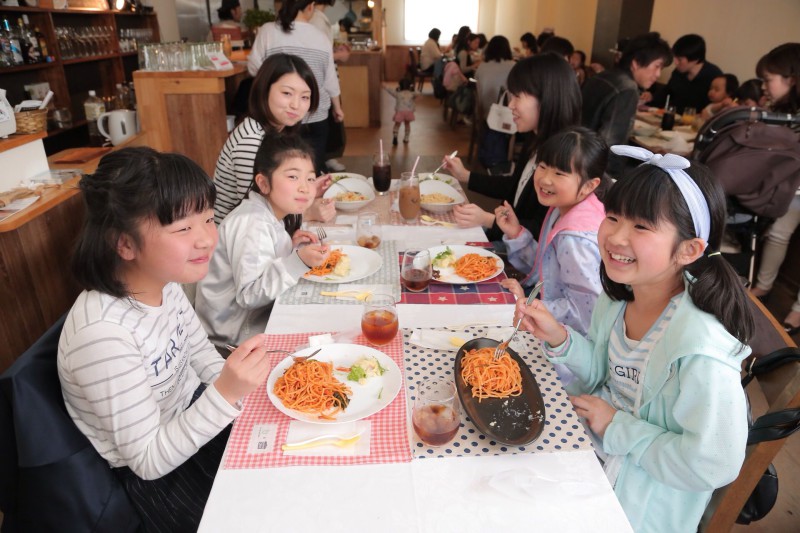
(31, 121)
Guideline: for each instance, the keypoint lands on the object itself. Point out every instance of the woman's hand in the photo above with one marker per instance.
(507, 220)
(322, 184)
(470, 215)
(246, 368)
(321, 210)
(302, 236)
(514, 288)
(538, 320)
(313, 255)
(597, 412)
(456, 168)
(338, 113)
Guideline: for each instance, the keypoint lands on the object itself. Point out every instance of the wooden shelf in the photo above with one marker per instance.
(24, 68)
(75, 124)
(19, 139)
(89, 59)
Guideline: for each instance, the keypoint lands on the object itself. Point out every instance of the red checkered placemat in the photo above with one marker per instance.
(484, 293)
(388, 433)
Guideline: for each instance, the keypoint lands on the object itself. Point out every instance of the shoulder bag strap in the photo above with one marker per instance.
(761, 365)
(774, 426)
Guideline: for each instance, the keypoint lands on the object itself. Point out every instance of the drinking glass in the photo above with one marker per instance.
(687, 118)
(416, 271)
(435, 415)
(379, 322)
(381, 172)
(668, 120)
(368, 229)
(409, 197)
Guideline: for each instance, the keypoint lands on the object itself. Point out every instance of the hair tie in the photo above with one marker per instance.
(673, 165)
(712, 254)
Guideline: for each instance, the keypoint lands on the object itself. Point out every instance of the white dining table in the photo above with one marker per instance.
(553, 491)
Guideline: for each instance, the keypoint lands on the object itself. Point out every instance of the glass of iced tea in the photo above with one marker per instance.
(368, 229)
(381, 172)
(435, 416)
(379, 322)
(409, 197)
(416, 271)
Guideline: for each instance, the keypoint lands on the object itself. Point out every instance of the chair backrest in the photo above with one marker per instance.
(45, 461)
(413, 62)
(781, 389)
(218, 32)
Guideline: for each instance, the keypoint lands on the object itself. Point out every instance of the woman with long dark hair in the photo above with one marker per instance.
(545, 98)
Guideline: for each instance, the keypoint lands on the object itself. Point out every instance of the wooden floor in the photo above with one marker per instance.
(431, 136)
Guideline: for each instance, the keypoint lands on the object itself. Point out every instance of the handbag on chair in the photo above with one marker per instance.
(500, 117)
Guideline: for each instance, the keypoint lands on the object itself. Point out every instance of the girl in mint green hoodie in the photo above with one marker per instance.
(657, 377)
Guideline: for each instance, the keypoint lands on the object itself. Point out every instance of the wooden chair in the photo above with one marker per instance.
(235, 33)
(781, 388)
(419, 74)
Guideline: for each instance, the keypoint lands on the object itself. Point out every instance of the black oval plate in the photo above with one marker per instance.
(516, 420)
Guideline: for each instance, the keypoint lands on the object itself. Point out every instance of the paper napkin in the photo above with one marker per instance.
(303, 431)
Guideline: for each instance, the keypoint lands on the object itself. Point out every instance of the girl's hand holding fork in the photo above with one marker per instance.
(538, 320)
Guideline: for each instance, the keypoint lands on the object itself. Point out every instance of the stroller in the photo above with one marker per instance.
(755, 154)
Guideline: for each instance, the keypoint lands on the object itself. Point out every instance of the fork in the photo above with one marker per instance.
(341, 442)
(501, 348)
(321, 234)
(297, 358)
(358, 295)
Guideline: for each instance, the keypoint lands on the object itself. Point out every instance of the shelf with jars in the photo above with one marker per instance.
(73, 50)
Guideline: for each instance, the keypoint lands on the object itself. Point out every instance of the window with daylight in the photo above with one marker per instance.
(449, 15)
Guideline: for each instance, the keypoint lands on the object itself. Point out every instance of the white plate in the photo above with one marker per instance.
(448, 275)
(434, 186)
(353, 185)
(363, 262)
(364, 400)
(444, 178)
(336, 176)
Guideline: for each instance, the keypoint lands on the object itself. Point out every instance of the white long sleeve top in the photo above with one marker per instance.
(307, 42)
(253, 264)
(128, 372)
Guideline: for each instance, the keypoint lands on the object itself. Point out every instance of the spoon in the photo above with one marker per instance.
(297, 358)
(440, 167)
(431, 220)
(341, 442)
(358, 295)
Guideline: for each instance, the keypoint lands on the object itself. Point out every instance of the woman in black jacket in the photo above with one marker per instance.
(545, 98)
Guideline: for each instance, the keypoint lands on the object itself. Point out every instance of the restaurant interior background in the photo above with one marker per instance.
(737, 32)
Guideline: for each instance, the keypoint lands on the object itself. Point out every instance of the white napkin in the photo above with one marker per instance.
(441, 340)
(303, 431)
(382, 288)
(525, 483)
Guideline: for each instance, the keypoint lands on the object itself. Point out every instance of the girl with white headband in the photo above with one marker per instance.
(657, 378)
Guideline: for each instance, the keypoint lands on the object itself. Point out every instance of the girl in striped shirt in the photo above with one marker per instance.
(139, 376)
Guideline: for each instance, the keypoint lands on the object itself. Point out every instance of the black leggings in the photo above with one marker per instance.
(316, 134)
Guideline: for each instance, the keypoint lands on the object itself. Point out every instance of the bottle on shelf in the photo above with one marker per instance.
(122, 97)
(14, 43)
(31, 52)
(6, 57)
(42, 44)
(93, 107)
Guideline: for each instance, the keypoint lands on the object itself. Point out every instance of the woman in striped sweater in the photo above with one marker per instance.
(283, 92)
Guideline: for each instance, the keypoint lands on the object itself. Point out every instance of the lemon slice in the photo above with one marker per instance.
(457, 341)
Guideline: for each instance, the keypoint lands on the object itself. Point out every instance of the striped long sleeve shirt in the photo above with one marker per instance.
(128, 372)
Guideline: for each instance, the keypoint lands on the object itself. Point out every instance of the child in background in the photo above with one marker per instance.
(140, 378)
(749, 93)
(657, 377)
(404, 107)
(722, 95)
(260, 253)
(568, 178)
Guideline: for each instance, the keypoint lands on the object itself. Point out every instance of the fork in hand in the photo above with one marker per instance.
(321, 234)
(503, 345)
(297, 358)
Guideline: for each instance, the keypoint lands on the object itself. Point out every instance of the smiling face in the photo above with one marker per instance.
(776, 86)
(716, 93)
(291, 188)
(525, 109)
(178, 252)
(556, 188)
(289, 99)
(647, 75)
(639, 254)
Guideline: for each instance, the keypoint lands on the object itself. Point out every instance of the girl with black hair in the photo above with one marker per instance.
(657, 377)
(139, 377)
(259, 255)
(545, 98)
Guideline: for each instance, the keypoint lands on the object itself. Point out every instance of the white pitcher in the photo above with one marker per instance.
(121, 125)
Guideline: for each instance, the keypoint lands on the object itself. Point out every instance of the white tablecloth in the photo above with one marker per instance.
(563, 491)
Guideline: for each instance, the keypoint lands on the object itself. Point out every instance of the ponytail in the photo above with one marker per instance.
(288, 12)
